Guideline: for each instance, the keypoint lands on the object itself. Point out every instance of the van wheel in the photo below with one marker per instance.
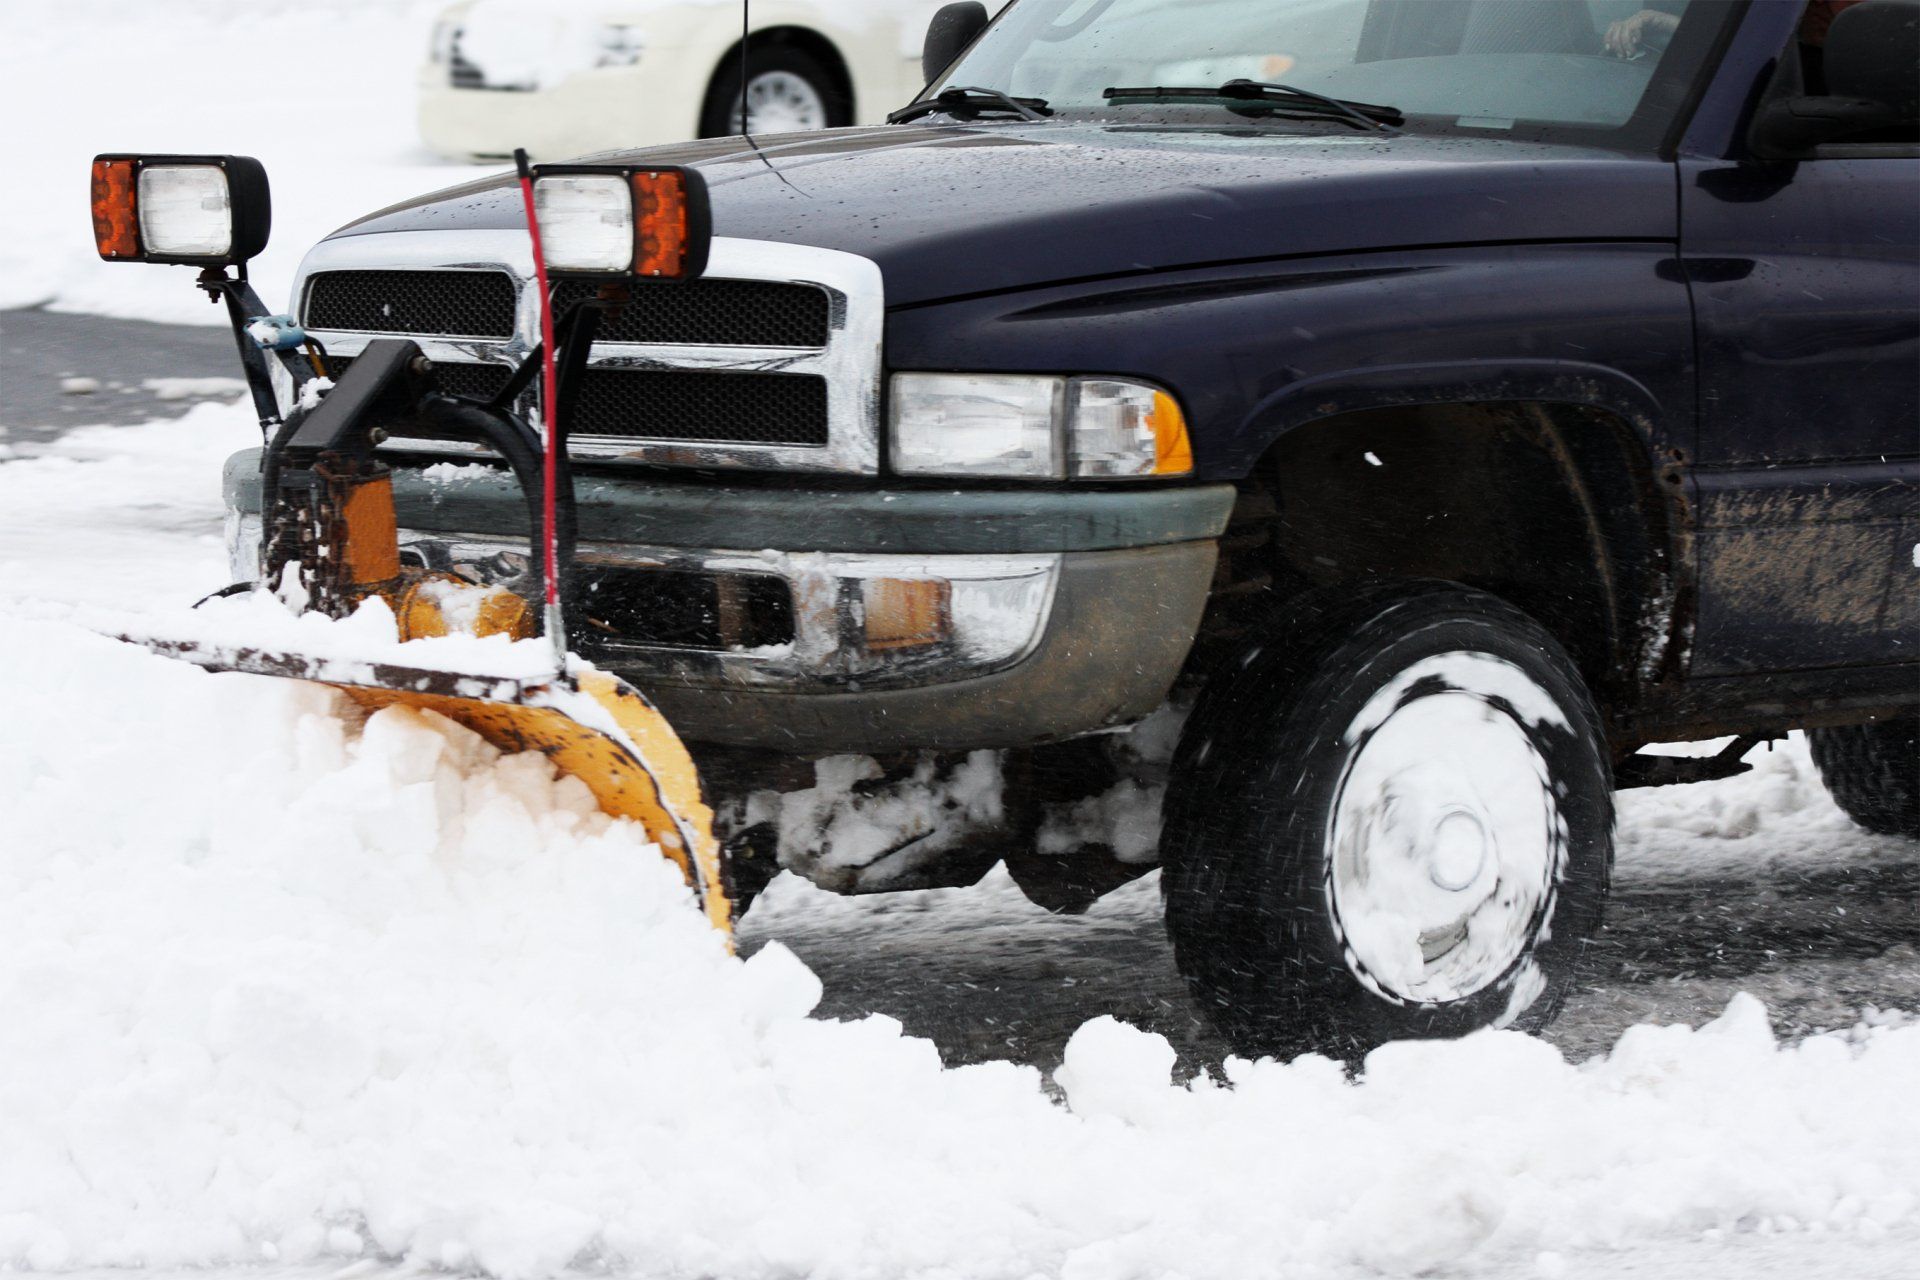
(1395, 820)
(788, 90)
(1873, 772)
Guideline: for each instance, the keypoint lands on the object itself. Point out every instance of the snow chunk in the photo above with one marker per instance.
(1113, 1069)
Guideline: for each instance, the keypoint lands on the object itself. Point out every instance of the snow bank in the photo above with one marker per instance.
(281, 987)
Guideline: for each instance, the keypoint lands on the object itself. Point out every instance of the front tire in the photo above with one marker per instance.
(788, 90)
(1873, 773)
(1396, 821)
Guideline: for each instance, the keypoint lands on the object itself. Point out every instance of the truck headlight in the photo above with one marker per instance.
(1029, 427)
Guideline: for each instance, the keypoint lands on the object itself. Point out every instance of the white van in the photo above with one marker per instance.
(567, 77)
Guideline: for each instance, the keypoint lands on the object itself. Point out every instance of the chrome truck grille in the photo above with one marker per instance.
(772, 361)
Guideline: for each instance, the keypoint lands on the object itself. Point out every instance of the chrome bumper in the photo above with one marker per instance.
(990, 610)
(1057, 613)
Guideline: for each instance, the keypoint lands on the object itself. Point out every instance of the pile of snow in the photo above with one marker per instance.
(322, 93)
(344, 652)
(1777, 813)
(281, 986)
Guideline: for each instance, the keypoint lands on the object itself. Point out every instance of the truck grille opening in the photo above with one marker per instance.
(716, 313)
(474, 381)
(678, 609)
(702, 407)
(787, 409)
(453, 304)
(482, 304)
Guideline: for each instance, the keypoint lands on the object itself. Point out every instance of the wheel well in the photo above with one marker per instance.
(808, 41)
(1554, 508)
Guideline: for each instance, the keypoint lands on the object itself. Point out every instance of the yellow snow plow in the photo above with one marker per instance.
(330, 538)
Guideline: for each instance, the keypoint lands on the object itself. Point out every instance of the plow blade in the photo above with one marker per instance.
(593, 726)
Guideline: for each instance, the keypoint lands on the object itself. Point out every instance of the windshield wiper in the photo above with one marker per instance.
(971, 100)
(1365, 114)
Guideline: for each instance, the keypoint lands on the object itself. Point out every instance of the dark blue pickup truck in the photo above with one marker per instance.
(1435, 401)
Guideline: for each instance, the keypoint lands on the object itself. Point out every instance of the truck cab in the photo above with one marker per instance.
(1406, 410)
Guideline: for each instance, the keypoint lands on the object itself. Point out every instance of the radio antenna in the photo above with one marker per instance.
(746, 111)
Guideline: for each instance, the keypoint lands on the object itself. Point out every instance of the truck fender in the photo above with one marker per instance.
(1668, 596)
(1388, 386)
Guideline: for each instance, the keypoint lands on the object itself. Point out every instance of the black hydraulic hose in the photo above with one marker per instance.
(504, 433)
(530, 365)
(270, 487)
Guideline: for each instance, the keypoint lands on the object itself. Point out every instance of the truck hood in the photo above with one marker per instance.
(967, 210)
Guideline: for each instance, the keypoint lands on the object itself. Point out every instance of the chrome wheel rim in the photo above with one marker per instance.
(1446, 837)
(779, 102)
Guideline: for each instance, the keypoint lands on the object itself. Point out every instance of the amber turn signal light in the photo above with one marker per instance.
(907, 613)
(661, 227)
(116, 232)
(1172, 447)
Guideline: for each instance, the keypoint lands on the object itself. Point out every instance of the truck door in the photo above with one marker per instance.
(1805, 277)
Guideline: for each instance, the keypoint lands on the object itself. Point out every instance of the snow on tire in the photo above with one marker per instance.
(1396, 821)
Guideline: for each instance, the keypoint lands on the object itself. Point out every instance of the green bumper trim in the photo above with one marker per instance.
(650, 511)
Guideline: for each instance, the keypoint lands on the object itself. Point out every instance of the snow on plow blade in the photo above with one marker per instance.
(592, 725)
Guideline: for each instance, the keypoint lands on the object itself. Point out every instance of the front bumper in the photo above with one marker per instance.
(1058, 614)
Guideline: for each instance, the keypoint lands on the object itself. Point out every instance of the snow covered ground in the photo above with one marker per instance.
(284, 992)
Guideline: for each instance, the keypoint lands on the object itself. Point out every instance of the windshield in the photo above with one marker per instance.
(1501, 65)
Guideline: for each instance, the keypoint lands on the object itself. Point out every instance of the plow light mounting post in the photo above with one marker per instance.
(614, 224)
(194, 211)
(211, 212)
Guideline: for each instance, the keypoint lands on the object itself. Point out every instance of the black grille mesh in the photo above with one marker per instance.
(481, 304)
(454, 304)
(710, 408)
(474, 381)
(624, 607)
(719, 313)
(647, 404)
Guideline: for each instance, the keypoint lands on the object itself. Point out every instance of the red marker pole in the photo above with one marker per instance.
(555, 625)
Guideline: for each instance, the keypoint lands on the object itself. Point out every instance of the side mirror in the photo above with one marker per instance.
(953, 28)
(196, 211)
(1873, 53)
(1873, 83)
